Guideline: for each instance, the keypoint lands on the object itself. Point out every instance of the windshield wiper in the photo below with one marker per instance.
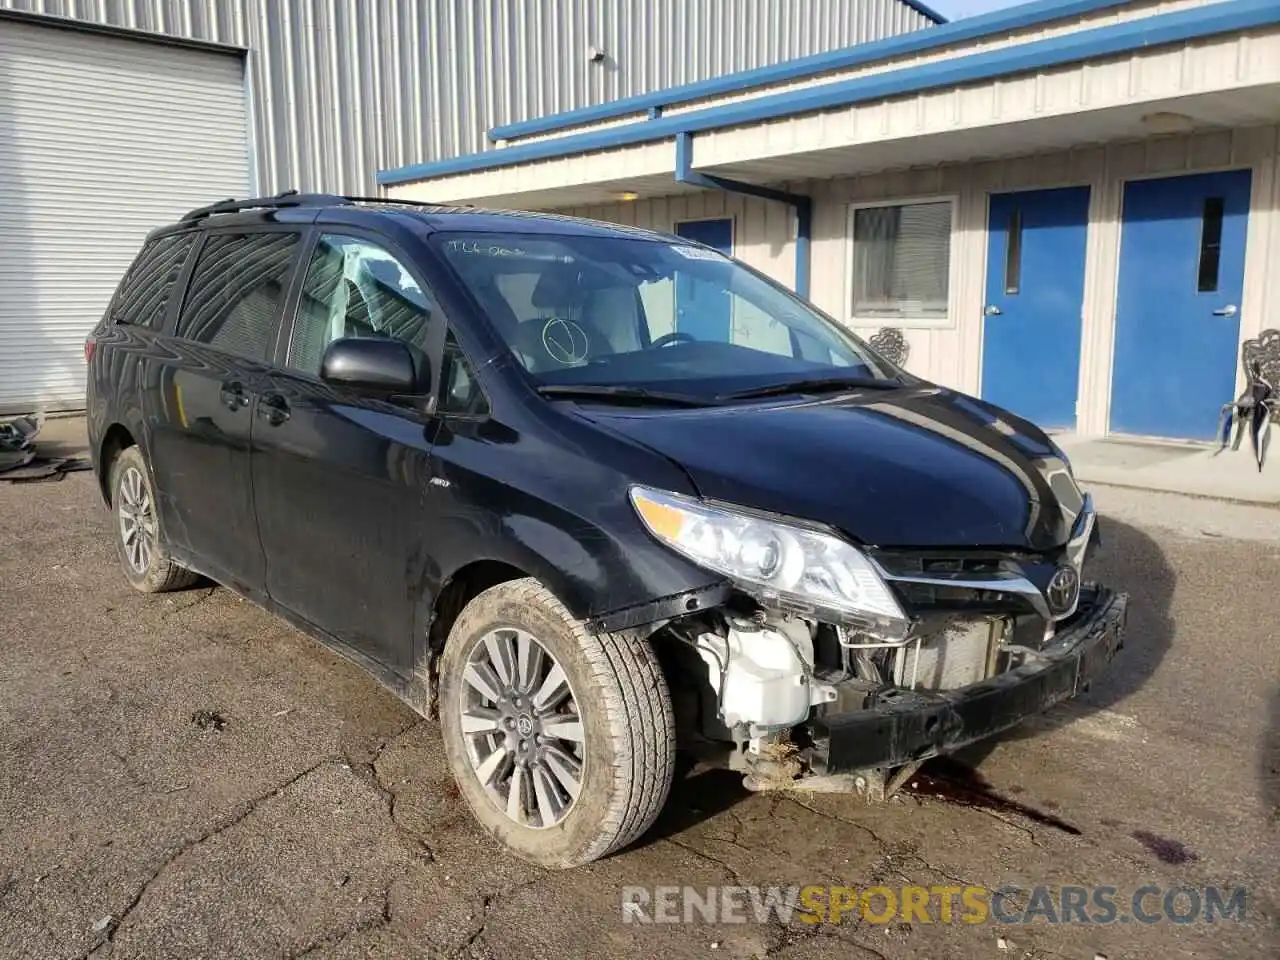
(621, 394)
(814, 385)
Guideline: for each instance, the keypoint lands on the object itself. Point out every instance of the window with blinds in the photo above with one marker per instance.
(902, 261)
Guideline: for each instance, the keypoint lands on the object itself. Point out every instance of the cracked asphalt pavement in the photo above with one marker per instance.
(187, 776)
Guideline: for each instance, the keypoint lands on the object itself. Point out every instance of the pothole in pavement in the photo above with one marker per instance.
(209, 719)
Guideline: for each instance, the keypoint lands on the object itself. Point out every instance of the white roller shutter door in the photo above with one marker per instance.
(102, 138)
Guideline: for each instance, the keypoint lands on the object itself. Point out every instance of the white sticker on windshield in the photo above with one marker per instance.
(698, 253)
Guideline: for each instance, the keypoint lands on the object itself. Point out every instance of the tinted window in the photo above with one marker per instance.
(237, 291)
(143, 295)
(355, 288)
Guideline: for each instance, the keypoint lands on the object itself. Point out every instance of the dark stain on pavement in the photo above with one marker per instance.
(1166, 850)
(947, 779)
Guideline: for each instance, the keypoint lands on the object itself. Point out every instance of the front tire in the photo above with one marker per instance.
(144, 556)
(562, 741)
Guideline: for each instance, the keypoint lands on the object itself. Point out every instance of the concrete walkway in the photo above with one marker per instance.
(1193, 469)
(63, 436)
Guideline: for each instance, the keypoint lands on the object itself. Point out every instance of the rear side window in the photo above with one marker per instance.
(236, 296)
(143, 295)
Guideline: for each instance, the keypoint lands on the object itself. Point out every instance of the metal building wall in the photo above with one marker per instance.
(343, 88)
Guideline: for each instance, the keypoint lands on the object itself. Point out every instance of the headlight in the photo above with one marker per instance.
(770, 558)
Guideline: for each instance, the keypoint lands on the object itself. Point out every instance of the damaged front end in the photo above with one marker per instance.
(799, 688)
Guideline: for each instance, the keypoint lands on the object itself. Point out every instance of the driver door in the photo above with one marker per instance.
(339, 477)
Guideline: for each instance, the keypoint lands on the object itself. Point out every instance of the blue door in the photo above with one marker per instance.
(1177, 308)
(1035, 292)
(702, 309)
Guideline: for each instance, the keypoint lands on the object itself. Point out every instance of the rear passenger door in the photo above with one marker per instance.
(340, 479)
(212, 373)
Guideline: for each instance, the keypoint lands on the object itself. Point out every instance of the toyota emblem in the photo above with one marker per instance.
(1064, 590)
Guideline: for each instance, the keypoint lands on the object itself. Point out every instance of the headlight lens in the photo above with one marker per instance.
(769, 557)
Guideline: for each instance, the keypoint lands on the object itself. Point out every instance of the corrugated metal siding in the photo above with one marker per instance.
(1234, 77)
(952, 354)
(101, 139)
(345, 88)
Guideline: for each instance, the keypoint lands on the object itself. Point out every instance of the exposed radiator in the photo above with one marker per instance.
(963, 654)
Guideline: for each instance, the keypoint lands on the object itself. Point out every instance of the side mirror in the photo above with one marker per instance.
(373, 364)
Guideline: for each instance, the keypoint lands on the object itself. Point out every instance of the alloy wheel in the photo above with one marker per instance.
(138, 530)
(524, 735)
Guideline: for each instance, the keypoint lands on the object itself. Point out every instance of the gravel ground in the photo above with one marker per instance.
(187, 776)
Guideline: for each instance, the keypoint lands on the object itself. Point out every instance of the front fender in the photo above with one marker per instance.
(613, 580)
(548, 496)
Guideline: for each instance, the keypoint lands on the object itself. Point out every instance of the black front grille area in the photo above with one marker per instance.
(901, 567)
(921, 598)
(911, 564)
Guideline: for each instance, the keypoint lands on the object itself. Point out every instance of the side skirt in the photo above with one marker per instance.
(404, 686)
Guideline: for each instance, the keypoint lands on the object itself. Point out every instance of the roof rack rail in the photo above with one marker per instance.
(289, 198)
(292, 198)
(397, 201)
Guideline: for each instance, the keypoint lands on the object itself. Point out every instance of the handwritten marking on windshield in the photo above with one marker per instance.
(477, 249)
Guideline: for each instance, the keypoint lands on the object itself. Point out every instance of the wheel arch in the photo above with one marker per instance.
(492, 560)
(456, 590)
(115, 440)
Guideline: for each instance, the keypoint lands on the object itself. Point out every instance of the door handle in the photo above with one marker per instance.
(1228, 311)
(273, 408)
(991, 310)
(232, 395)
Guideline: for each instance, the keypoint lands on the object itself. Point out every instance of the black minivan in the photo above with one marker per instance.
(587, 493)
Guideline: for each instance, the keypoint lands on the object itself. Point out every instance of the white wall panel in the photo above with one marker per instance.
(1068, 100)
(101, 139)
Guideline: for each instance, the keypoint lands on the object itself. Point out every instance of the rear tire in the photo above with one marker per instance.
(595, 741)
(144, 556)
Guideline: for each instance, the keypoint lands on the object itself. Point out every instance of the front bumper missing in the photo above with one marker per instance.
(917, 725)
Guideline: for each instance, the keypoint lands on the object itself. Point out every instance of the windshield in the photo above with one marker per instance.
(624, 313)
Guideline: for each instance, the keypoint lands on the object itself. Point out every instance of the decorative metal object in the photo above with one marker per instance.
(890, 344)
(1257, 406)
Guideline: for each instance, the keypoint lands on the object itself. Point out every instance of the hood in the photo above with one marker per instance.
(913, 467)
